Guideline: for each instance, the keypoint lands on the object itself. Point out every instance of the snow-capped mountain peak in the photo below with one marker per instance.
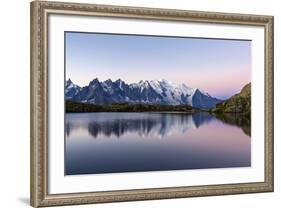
(71, 89)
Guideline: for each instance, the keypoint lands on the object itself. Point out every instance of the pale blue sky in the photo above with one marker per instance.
(220, 67)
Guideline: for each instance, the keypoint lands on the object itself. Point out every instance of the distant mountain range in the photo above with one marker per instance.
(144, 92)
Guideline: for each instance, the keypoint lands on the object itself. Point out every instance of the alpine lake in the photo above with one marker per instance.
(114, 142)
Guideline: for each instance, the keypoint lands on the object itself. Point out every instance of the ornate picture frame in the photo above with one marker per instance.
(40, 85)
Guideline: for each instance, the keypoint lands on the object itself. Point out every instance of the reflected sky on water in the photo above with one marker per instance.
(128, 142)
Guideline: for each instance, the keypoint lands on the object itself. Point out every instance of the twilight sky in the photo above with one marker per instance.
(219, 67)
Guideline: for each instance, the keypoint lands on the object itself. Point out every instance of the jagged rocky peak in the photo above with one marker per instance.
(71, 89)
(144, 82)
(108, 81)
(94, 81)
(120, 81)
(68, 82)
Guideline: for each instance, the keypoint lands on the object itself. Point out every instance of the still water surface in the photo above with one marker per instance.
(125, 142)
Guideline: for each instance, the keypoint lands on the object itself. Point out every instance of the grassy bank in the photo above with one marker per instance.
(76, 107)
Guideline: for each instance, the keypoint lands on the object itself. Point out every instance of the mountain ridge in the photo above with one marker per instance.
(144, 92)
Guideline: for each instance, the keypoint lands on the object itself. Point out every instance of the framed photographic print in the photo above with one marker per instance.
(143, 103)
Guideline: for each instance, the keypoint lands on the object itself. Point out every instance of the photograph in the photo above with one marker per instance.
(137, 103)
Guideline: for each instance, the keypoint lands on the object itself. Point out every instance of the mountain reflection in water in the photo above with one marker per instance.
(145, 124)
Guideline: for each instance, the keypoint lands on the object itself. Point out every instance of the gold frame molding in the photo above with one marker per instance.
(39, 103)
